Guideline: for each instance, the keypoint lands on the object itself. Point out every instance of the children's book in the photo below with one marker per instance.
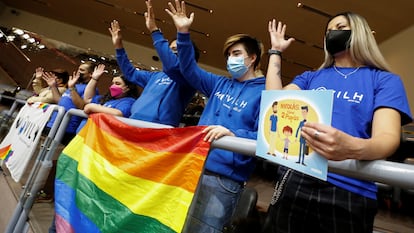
(282, 115)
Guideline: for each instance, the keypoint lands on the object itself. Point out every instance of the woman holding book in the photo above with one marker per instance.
(370, 105)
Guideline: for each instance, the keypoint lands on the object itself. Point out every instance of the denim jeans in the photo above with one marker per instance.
(214, 204)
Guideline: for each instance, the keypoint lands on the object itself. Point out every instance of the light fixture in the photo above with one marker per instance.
(18, 31)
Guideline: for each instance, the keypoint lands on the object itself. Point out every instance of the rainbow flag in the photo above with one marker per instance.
(6, 152)
(113, 177)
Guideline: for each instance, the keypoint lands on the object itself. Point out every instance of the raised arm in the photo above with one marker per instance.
(169, 60)
(279, 44)
(150, 17)
(116, 35)
(76, 98)
(197, 77)
(179, 16)
(90, 90)
(50, 79)
(37, 81)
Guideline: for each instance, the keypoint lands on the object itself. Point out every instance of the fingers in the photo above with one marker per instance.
(172, 10)
(177, 6)
(215, 132)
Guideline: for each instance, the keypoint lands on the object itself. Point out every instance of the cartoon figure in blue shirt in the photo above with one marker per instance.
(302, 146)
(273, 130)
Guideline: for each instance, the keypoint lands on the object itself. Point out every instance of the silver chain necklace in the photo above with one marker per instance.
(345, 75)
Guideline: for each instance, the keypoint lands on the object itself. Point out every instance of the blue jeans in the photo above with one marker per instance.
(213, 205)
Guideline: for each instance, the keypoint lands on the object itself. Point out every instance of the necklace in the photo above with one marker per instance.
(345, 75)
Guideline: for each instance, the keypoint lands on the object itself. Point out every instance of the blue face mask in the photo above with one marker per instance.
(236, 67)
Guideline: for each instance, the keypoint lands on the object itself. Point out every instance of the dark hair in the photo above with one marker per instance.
(132, 92)
(61, 74)
(196, 50)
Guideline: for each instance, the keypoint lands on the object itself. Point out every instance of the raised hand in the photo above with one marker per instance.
(39, 72)
(150, 17)
(179, 16)
(115, 31)
(277, 32)
(50, 78)
(73, 79)
(98, 71)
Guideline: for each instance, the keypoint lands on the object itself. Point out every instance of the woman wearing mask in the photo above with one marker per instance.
(118, 101)
(366, 125)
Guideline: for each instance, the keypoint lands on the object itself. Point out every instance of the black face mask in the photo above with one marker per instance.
(81, 78)
(337, 41)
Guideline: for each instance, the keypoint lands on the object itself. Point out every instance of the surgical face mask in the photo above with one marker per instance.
(337, 41)
(115, 90)
(236, 67)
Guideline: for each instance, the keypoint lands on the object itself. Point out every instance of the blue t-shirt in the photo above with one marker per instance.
(66, 102)
(355, 100)
(273, 123)
(122, 104)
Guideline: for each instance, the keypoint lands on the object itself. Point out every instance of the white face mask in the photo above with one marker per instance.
(236, 67)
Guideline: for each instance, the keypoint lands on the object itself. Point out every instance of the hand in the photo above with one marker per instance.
(50, 79)
(39, 72)
(98, 71)
(329, 142)
(277, 36)
(215, 132)
(73, 79)
(150, 17)
(115, 31)
(179, 16)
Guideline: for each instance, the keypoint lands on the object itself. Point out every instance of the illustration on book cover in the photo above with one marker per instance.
(282, 115)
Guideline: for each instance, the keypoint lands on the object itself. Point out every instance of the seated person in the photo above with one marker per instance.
(118, 101)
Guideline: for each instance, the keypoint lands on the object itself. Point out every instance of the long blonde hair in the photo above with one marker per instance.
(363, 46)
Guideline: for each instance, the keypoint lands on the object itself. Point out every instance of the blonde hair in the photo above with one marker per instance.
(363, 47)
(250, 44)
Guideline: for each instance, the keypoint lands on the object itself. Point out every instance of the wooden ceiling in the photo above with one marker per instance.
(215, 20)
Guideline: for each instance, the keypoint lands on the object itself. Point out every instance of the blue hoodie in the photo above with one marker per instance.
(232, 104)
(163, 100)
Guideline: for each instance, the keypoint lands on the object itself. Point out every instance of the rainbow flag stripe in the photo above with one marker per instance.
(6, 152)
(113, 177)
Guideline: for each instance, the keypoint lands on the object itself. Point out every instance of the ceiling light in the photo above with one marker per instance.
(18, 31)
(10, 38)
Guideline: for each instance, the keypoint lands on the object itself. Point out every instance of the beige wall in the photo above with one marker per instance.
(399, 52)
